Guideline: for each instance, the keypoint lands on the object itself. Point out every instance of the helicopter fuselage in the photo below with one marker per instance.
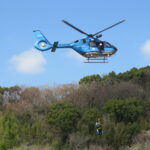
(89, 48)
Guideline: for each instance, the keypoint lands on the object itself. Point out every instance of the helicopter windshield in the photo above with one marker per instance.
(108, 45)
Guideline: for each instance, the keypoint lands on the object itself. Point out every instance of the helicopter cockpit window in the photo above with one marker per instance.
(93, 44)
(84, 40)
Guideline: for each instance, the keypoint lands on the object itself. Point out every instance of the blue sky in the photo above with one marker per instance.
(20, 18)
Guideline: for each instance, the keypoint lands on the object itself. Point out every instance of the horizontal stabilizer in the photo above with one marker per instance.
(54, 47)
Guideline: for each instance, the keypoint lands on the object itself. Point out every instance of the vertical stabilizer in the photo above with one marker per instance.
(41, 43)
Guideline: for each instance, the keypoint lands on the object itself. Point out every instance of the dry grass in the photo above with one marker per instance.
(25, 147)
(95, 147)
(141, 141)
(145, 146)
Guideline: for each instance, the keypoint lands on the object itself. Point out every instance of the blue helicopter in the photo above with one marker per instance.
(91, 47)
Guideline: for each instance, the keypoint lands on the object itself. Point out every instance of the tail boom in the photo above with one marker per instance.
(43, 44)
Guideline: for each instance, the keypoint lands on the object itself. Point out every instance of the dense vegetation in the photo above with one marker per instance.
(64, 116)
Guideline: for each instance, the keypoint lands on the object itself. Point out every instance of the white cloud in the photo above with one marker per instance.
(75, 55)
(30, 61)
(146, 47)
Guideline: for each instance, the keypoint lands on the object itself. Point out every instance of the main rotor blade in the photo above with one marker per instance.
(109, 27)
(74, 27)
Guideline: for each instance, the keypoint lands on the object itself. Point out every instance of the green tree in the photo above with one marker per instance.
(63, 119)
(111, 75)
(9, 131)
(87, 123)
(139, 76)
(26, 122)
(129, 110)
(119, 135)
(40, 132)
(90, 79)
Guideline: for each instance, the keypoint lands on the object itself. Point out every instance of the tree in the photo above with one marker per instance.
(90, 79)
(63, 119)
(118, 135)
(128, 110)
(87, 123)
(9, 131)
(3, 89)
(31, 94)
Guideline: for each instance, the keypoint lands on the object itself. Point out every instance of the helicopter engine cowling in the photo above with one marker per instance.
(99, 35)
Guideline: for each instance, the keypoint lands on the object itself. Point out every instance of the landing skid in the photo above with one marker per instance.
(94, 60)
